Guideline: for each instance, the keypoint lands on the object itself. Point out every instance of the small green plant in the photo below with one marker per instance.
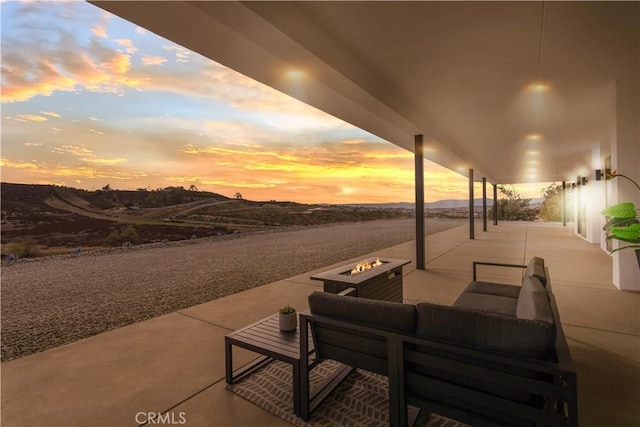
(623, 224)
(287, 309)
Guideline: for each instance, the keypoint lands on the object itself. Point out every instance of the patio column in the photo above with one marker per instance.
(484, 204)
(625, 159)
(564, 203)
(471, 207)
(495, 204)
(419, 186)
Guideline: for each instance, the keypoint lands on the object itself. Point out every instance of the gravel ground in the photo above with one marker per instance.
(52, 301)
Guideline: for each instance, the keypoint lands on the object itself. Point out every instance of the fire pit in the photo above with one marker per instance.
(375, 278)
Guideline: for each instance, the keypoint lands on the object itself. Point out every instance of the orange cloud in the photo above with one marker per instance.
(219, 183)
(356, 141)
(312, 173)
(51, 114)
(48, 172)
(99, 31)
(128, 44)
(89, 172)
(46, 80)
(87, 155)
(6, 163)
(103, 161)
(76, 150)
(117, 64)
(29, 72)
(32, 117)
(153, 60)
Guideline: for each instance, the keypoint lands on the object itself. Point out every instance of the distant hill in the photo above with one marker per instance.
(48, 219)
(440, 204)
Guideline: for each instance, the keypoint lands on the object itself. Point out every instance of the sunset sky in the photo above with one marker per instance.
(89, 99)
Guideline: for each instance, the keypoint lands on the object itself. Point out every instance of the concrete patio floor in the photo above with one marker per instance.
(174, 363)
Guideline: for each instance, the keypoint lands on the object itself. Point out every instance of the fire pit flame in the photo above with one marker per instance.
(365, 265)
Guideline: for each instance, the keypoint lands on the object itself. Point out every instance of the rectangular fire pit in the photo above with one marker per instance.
(382, 282)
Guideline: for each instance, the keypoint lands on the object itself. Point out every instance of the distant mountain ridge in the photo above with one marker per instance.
(439, 204)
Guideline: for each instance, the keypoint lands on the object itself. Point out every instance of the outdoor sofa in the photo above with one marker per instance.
(497, 356)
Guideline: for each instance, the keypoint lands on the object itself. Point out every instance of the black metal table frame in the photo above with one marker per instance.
(268, 353)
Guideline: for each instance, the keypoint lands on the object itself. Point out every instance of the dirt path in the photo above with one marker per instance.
(50, 302)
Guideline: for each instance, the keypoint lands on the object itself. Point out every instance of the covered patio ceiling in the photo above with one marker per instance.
(460, 73)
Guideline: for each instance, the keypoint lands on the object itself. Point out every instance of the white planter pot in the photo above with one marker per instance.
(288, 322)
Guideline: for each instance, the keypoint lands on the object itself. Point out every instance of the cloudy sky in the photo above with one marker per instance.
(89, 99)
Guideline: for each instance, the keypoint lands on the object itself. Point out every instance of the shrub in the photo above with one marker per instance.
(127, 234)
(514, 207)
(25, 249)
(552, 205)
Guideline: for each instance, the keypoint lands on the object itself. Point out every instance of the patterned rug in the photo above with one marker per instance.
(360, 400)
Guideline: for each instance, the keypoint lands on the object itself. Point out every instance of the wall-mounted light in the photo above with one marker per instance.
(598, 174)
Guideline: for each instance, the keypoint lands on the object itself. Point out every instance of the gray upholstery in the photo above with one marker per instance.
(506, 318)
(498, 289)
(489, 303)
(485, 330)
(510, 319)
(533, 303)
(535, 268)
(352, 347)
(385, 314)
(457, 357)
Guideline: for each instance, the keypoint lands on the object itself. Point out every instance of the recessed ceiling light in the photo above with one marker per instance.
(295, 73)
(539, 86)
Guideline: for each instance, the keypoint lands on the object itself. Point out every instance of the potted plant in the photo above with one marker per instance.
(623, 223)
(287, 319)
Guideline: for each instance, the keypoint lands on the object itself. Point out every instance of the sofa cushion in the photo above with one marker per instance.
(533, 303)
(510, 291)
(535, 268)
(489, 331)
(359, 349)
(487, 303)
(482, 331)
(384, 314)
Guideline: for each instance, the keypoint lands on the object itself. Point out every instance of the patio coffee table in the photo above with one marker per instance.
(266, 338)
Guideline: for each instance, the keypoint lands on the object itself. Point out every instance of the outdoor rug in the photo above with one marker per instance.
(360, 400)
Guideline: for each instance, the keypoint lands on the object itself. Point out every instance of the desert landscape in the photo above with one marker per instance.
(62, 295)
(40, 220)
(51, 301)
